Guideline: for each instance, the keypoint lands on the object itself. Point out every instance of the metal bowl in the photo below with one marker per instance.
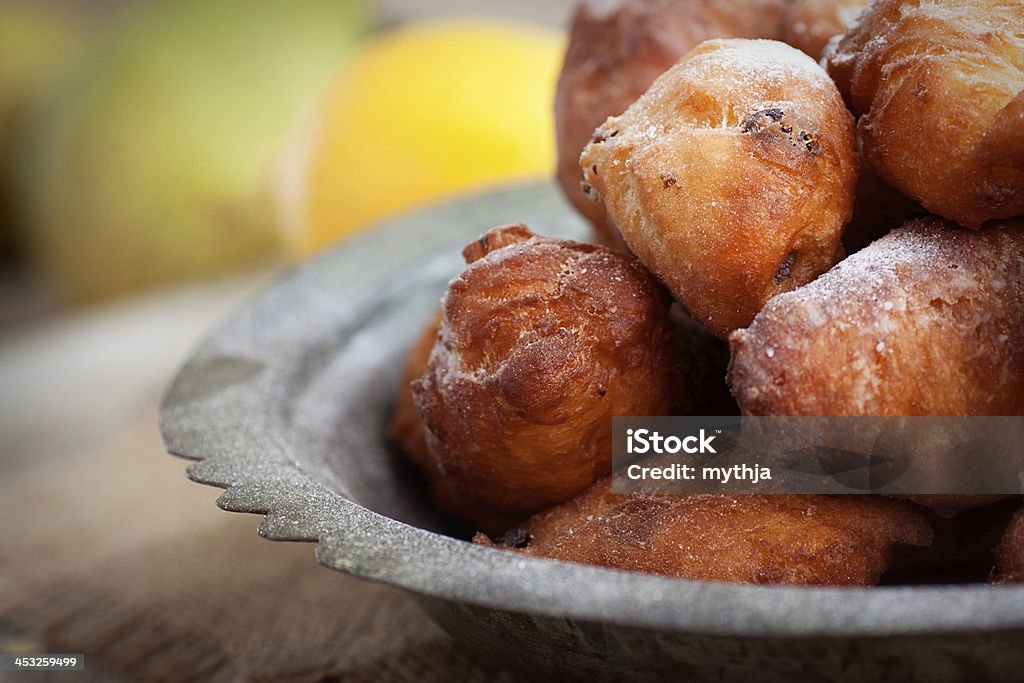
(285, 405)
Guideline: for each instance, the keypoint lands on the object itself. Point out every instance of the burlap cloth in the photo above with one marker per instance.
(117, 556)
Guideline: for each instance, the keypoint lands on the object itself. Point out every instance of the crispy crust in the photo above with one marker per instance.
(731, 178)
(615, 52)
(804, 540)
(939, 89)
(928, 320)
(542, 341)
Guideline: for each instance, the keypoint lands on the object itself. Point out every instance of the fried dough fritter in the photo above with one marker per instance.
(939, 89)
(616, 50)
(1010, 553)
(703, 359)
(802, 540)
(731, 178)
(808, 25)
(541, 342)
(928, 320)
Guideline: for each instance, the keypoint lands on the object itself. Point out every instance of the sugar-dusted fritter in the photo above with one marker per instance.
(1010, 553)
(928, 320)
(731, 178)
(541, 342)
(807, 540)
(809, 24)
(616, 50)
(939, 89)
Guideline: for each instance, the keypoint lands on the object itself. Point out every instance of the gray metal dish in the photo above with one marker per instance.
(285, 406)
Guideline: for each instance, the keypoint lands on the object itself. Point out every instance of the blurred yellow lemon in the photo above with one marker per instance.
(419, 113)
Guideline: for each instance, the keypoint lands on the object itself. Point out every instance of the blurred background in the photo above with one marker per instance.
(160, 160)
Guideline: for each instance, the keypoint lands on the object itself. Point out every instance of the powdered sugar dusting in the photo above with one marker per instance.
(919, 322)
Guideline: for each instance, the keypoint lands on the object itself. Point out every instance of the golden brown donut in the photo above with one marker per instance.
(939, 89)
(731, 178)
(541, 342)
(805, 540)
(1010, 553)
(808, 25)
(616, 50)
(928, 320)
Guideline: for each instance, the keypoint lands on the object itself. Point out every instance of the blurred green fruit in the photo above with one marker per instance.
(36, 41)
(148, 165)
